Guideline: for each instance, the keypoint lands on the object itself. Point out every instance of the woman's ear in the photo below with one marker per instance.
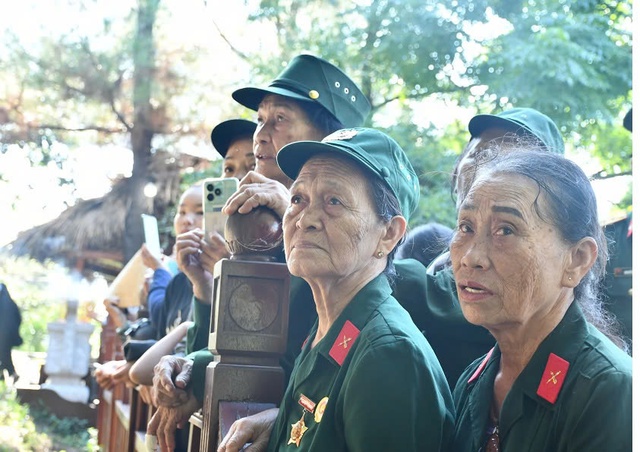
(394, 231)
(582, 257)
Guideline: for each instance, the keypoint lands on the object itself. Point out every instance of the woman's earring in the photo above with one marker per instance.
(379, 254)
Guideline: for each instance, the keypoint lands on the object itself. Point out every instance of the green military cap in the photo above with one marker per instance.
(228, 131)
(311, 79)
(376, 152)
(522, 120)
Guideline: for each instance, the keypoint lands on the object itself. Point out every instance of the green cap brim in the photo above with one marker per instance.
(293, 156)
(251, 97)
(480, 123)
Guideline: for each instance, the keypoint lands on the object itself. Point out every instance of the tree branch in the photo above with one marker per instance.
(603, 174)
(77, 129)
(233, 48)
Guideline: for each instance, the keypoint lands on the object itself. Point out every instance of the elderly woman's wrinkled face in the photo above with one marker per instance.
(481, 150)
(331, 229)
(280, 121)
(507, 262)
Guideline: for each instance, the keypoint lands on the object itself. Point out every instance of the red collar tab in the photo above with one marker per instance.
(553, 377)
(344, 342)
(481, 367)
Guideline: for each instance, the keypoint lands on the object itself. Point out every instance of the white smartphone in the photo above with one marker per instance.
(151, 235)
(215, 193)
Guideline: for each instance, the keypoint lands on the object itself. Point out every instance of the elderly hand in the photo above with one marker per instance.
(104, 373)
(257, 190)
(196, 258)
(252, 429)
(166, 420)
(145, 394)
(171, 376)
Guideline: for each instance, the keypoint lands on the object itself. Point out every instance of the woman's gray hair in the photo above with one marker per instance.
(487, 155)
(387, 206)
(573, 211)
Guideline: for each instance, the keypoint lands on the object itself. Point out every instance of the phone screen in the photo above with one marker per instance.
(151, 235)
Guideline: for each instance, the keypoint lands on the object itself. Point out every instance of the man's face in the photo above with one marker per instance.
(280, 121)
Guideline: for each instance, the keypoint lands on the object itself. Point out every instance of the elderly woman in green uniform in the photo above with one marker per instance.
(308, 100)
(527, 255)
(366, 379)
(455, 341)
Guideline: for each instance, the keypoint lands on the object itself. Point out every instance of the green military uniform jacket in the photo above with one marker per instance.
(592, 411)
(371, 384)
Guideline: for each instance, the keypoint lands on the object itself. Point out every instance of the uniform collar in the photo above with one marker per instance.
(358, 312)
(564, 342)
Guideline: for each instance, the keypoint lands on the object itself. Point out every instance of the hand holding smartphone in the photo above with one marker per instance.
(215, 193)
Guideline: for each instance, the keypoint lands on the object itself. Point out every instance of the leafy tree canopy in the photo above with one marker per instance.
(569, 59)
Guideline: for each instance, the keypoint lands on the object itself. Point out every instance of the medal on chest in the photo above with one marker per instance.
(299, 428)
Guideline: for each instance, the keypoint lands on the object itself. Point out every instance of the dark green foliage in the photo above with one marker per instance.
(569, 59)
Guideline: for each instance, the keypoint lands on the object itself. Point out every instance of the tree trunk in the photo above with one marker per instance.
(142, 131)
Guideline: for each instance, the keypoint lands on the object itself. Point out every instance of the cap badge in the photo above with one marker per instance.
(553, 377)
(313, 94)
(341, 135)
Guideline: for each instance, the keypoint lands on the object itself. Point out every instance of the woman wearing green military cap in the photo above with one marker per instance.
(308, 100)
(366, 380)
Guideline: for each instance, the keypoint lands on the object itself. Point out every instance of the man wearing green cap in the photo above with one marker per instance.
(510, 129)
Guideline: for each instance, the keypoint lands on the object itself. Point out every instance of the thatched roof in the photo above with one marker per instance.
(93, 226)
(90, 234)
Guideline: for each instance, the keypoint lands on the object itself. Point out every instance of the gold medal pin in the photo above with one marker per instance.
(299, 428)
(322, 404)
